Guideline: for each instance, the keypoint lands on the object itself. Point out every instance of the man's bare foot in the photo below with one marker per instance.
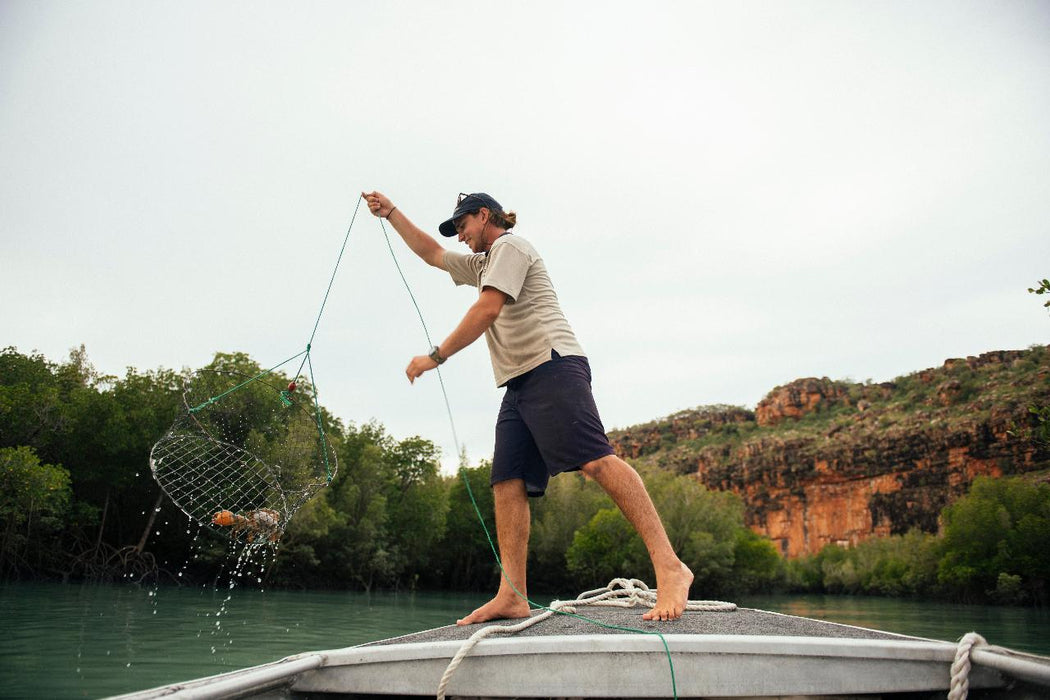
(499, 608)
(672, 593)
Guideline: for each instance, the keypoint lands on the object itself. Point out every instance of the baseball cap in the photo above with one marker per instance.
(468, 204)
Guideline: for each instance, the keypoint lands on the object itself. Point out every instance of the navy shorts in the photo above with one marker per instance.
(548, 424)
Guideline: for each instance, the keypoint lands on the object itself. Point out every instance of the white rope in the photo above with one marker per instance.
(620, 593)
(960, 685)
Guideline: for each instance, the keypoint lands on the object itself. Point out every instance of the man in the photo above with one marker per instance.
(548, 422)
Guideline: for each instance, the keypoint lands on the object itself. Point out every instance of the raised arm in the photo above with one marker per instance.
(419, 241)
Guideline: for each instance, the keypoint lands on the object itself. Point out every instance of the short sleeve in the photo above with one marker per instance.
(506, 270)
(464, 269)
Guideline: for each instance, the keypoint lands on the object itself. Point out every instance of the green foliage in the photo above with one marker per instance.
(1001, 527)
(467, 560)
(100, 429)
(701, 524)
(569, 504)
(378, 522)
(757, 565)
(993, 548)
(1041, 287)
(706, 529)
(390, 519)
(606, 548)
(900, 565)
(804, 574)
(32, 495)
(1038, 428)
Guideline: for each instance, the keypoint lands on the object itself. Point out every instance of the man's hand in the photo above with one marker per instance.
(419, 365)
(379, 204)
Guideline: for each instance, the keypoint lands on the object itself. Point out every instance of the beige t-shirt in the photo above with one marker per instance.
(531, 323)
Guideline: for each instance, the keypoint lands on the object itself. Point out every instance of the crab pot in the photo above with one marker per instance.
(244, 456)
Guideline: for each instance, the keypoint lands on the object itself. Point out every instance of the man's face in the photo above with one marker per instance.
(471, 230)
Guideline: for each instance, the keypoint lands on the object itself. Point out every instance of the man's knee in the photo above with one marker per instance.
(597, 466)
(509, 488)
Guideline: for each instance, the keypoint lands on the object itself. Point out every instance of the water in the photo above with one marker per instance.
(91, 641)
(69, 641)
(1023, 629)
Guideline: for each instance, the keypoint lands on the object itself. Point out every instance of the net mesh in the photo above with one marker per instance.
(245, 462)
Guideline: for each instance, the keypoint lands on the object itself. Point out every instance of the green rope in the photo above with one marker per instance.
(430, 343)
(285, 396)
(338, 260)
(245, 383)
(477, 510)
(320, 426)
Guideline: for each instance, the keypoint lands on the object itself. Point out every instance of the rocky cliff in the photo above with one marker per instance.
(821, 461)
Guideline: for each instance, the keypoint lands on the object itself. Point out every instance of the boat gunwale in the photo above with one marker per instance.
(783, 645)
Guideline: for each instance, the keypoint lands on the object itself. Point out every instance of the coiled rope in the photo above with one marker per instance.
(620, 593)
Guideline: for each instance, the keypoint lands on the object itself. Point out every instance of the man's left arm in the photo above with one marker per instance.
(476, 321)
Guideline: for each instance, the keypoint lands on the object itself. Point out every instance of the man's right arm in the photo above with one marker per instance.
(419, 241)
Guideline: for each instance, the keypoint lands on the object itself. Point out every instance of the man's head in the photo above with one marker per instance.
(478, 220)
(468, 204)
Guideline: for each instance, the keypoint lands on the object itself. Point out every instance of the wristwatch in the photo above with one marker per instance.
(435, 355)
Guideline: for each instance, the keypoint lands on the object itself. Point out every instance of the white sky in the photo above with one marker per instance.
(728, 195)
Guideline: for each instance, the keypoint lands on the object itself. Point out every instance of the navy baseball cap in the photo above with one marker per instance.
(468, 204)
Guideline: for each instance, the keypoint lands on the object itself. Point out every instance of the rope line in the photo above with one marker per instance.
(320, 426)
(620, 593)
(338, 260)
(430, 343)
(245, 383)
(309, 343)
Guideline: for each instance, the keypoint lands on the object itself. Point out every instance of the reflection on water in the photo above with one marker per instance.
(91, 641)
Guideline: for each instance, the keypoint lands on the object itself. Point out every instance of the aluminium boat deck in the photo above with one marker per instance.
(744, 654)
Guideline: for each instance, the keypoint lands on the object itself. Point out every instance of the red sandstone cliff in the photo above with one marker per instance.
(820, 461)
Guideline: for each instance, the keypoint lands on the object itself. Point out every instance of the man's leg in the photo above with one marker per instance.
(625, 487)
(512, 532)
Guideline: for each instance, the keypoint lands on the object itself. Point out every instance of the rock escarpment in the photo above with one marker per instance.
(821, 461)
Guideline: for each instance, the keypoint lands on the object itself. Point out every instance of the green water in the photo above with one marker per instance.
(91, 641)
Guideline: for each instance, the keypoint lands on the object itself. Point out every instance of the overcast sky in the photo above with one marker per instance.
(729, 196)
